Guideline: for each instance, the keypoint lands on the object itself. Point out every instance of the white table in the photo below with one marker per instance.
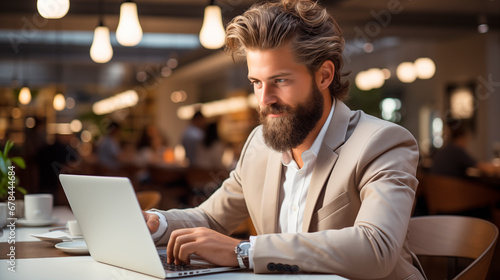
(61, 214)
(85, 268)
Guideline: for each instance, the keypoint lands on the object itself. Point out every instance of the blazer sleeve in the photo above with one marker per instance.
(384, 177)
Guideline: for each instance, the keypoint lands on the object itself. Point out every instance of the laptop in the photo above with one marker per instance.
(114, 228)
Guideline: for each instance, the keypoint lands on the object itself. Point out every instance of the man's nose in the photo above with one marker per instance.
(267, 96)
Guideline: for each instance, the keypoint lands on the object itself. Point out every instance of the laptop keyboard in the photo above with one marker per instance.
(182, 267)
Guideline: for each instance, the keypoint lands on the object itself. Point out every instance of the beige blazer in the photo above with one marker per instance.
(357, 209)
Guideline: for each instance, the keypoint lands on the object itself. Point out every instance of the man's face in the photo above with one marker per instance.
(290, 103)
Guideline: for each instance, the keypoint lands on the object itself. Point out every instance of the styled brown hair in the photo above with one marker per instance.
(313, 35)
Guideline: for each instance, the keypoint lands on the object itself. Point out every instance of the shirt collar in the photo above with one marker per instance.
(286, 157)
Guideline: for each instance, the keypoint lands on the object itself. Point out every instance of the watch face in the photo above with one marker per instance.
(243, 248)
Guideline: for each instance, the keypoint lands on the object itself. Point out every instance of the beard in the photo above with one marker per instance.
(288, 131)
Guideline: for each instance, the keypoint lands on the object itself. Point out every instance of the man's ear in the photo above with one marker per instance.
(324, 75)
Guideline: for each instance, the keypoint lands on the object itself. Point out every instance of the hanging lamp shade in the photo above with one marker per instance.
(25, 96)
(59, 102)
(212, 34)
(129, 31)
(101, 50)
(52, 9)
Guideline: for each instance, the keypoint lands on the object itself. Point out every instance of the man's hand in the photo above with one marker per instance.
(152, 220)
(208, 244)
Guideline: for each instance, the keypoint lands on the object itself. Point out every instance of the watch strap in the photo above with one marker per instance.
(242, 254)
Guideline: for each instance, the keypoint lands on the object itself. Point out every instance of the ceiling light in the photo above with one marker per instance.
(406, 72)
(425, 68)
(462, 103)
(30, 122)
(101, 50)
(59, 102)
(212, 34)
(16, 113)
(482, 26)
(370, 79)
(129, 31)
(70, 103)
(361, 82)
(368, 47)
(119, 101)
(75, 125)
(52, 9)
(25, 96)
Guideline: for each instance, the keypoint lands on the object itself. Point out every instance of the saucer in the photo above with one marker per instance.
(73, 247)
(35, 223)
(57, 236)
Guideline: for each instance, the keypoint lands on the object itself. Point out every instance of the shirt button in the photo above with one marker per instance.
(294, 208)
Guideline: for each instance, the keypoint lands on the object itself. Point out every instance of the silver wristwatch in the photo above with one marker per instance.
(242, 251)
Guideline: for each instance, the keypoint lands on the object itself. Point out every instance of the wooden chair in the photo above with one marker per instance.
(454, 237)
(447, 195)
(148, 199)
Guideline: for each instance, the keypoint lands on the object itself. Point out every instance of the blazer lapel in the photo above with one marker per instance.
(270, 196)
(327, 157)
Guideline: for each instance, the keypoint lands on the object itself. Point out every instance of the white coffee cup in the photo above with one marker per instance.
(38, 207)
(73, 228)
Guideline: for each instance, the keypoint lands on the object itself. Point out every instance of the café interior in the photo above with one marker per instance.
(69, 84)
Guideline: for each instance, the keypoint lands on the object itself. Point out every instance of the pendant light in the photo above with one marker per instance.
(101, 50)
(25, 95)
(52, 9)
(482, 26)
(129, 31)
(59, 102)
(212, 34)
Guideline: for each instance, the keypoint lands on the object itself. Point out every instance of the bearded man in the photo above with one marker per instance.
(329, 190)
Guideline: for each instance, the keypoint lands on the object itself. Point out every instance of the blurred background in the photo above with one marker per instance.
(111, 87)
(144, 90)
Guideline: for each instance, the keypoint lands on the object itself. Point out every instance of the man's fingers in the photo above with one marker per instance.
(181, 248)
(152, 221)
(170, 246)
(185, 250)
(208, 244)
(177, 237)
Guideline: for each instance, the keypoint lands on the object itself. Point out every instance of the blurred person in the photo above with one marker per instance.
(110, 154)
(327, 188)
(210, 151)
(193, 136)
(151, 146)
(453, 159)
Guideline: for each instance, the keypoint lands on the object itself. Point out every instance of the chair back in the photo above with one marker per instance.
(148, 199)
(447, 195)
(456, 237)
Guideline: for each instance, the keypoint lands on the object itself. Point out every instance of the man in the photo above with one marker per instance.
(453, 159)
(193, 136)
(329, 190)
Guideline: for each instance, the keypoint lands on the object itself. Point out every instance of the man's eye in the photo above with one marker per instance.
(255, 83)
(280, 81)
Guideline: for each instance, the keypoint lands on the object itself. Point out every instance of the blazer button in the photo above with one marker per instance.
(271, 266)
(280, 267)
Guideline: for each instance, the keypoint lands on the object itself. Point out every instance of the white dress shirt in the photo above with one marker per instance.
(294, 187)
(295, 183)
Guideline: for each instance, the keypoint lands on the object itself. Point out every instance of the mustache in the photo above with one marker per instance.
(275, 109)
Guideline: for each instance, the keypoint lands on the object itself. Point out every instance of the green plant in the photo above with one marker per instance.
(8, 180)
